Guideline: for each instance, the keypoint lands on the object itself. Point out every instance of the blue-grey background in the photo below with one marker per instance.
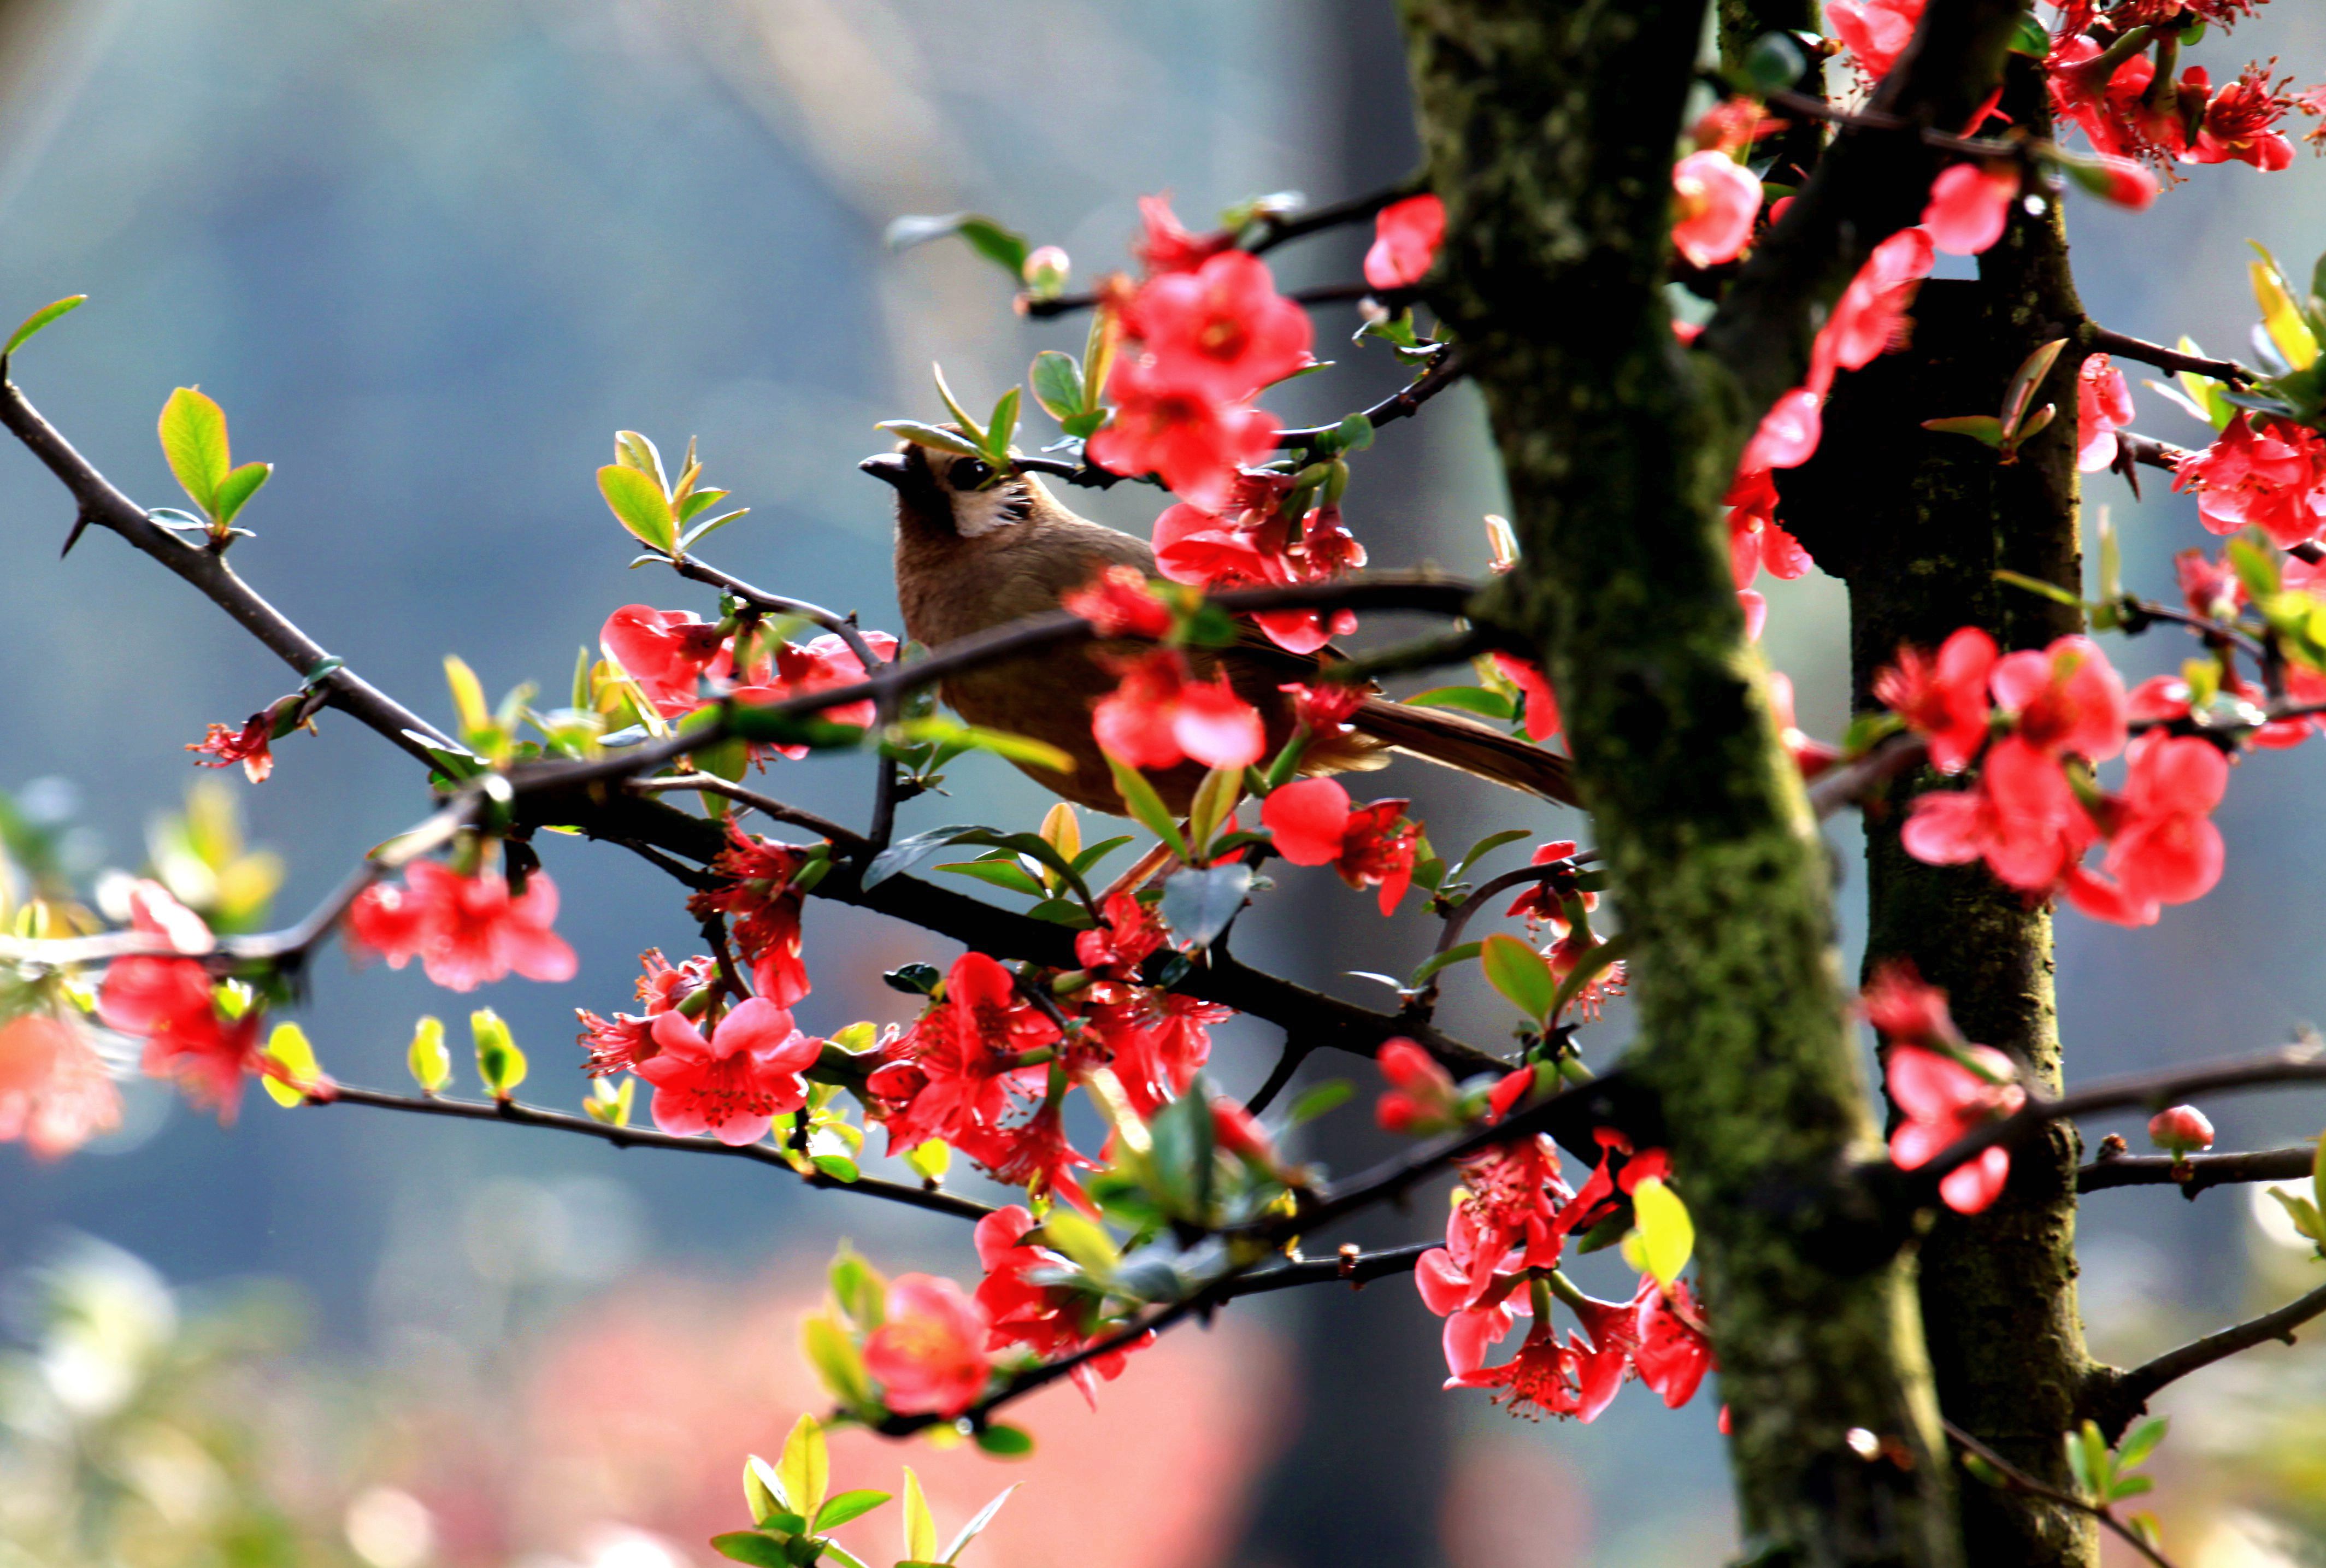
(429, 254)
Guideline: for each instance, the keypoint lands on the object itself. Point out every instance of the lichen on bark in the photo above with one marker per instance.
(1550, 131)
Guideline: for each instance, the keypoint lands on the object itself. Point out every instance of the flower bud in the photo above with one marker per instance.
(2179, 1128)
(1046, 270)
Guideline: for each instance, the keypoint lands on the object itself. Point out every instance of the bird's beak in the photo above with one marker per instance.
(888, 468)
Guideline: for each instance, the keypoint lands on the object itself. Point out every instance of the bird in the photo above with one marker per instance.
(977, 549)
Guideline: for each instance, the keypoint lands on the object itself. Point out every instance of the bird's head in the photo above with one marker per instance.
(952, 496)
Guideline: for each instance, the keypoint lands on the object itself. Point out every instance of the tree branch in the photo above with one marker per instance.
(623, 1137)
(2019, 1480)
(208, 572)
(2114, 1398)
(1443, 371)
(2196, 1172)
(842, 838)
(2098, 340)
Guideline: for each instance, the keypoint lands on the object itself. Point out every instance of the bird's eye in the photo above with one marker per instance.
(968, 473)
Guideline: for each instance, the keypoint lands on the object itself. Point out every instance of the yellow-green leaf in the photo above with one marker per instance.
(288, 1049)
(805, 1467)
(836, 1359)
(499, 1062)
(639, 504)
(240, 486)
(1667, 1235)
(39, 318)
(430, 1064)
(920, 1526)
(194, 440)
(1083, 1240)
(929, 1160)
(1139, 799)
(2281, 318)
(1063, 830)
(467, 696)
(608, 1106)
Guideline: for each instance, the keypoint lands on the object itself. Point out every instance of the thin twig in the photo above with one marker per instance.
(2195, 1173)
(1447, 368)
(623, 1137)
(843, 626)
(2101, 340)
(2115, 1397)
(2019, 1480)
(767, 806)
(1279, 1077)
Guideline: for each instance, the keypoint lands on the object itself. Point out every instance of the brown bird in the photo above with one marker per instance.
(974, 552)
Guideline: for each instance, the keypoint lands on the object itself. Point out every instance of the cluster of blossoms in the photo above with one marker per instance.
(2261, 472)
(1505, 1234)
(2034, 808)
(1567, 914)
(680, 664)
(466, 931)
(1943, 1086)
(204, 1035)
(55, 1092)
(1162, 714)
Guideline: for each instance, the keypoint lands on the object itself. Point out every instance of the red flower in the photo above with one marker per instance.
(1313, 824)
(1159, 1042)
(1048, 1319)
(1942, 699)
(2021, 817)
(754, 891)
(666, 652)
(247, 746)
(1324, 710)
(1222, 330)
(2179, 1128)
(1755, 540)
(1788, 434)
(1715, 200)
(619, 1043)
(929, 1354)
(2209, 589)
(2103, 407)
(1671, 1353)
(466, 931)
(1032, 1154)
(1165, 246)
(1168, 427)
(820, 665)
(2067, 698)
(950, 1071)
(2241, 120)
(734, 1084)
(1542, 713)
(1811, 755)
(1421, 1098)
(1870, 317)
(1251, 543)
(1131, 930)
(1120, 604)
(55, 1093)
(2273, 479)
(1406, 237)
(1566, 955)
(1901, 1005)
(1875, 31)
(1545, 901)
(1943, 1101)
(1541, 1379)
(2164, 849)
(1159, 715)
(1969, 205)
(171, 1003)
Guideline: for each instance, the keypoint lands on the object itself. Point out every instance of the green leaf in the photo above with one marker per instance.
(2140, 1442)
(1354, 433)
(1520, 973)
(288, 1049)
(770, 726)
(2281, 318)
(920, 1526)
(608, 1106)
(937, 730)
(1197, 905)
(2129, 1485)
(969, 427)
(1004, 873)
(1980, 427)
(838, 1167)
(194, 440)
(836, 1361)
(1002, 427)
(1485, 847)
(688, 539)
(430, 1064)
(1667, 1234)
(240, 486)
(1460, 953)
(31, 324)
(1005, 248)
(761, 1491)
(2036, 585)
(906, 853)
(1317, 1100)
(846, 1506)
(633, 450)
(755, 1546)
(2030, 37)
(1215, 799)
(929, 435)
(639, 504)
(1145, 806)
(1010, 1443)
(858, 1288)
(804, 1468)
(1179, 1161)
(1475, 699)
(2025, 380)
(1773, 63)
(1083, 1240)
(1056, 378)
(1092, 854)
(499, 1062)
(2255, 566)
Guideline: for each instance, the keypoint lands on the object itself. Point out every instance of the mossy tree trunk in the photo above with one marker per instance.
(1919, 523)
(1549, 132)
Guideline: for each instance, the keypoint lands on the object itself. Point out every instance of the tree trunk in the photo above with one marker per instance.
(1919, 523)
(1550, 131)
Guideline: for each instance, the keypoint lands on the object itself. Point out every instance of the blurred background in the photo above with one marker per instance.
(429, 254)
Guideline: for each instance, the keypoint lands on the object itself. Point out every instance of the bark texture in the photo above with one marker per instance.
(1549, 132)
(1919, 523)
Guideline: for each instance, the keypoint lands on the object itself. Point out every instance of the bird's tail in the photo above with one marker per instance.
(1468, 747)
